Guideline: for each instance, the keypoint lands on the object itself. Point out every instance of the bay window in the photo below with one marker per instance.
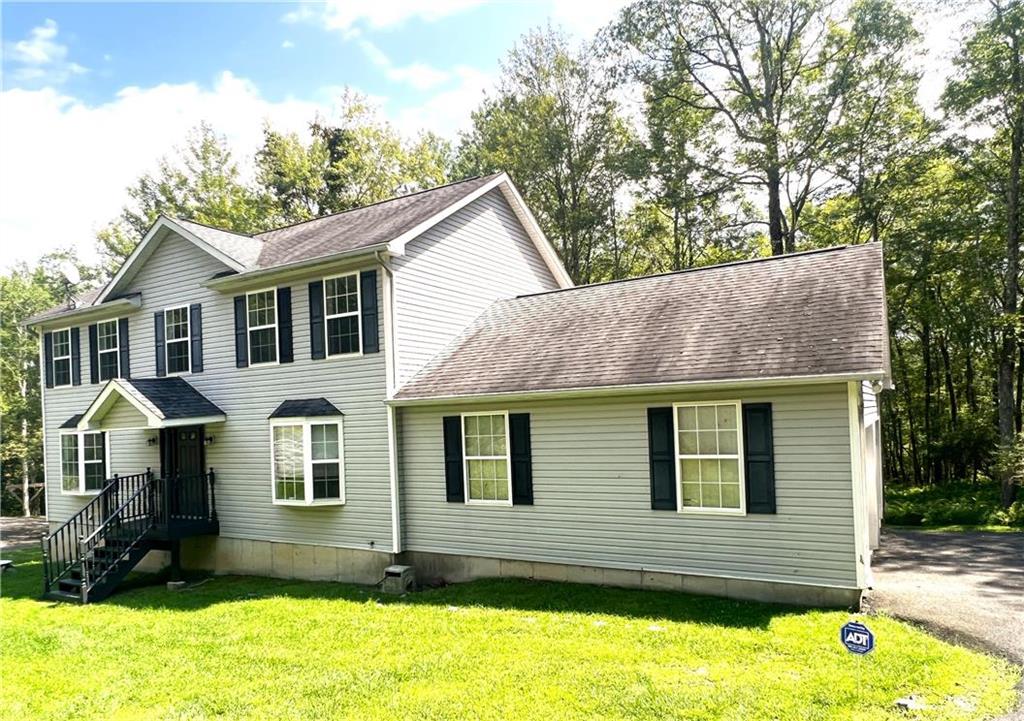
(307, 462)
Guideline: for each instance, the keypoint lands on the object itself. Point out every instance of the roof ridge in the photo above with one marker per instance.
(379, 202)
(713, 266)
(176, 219)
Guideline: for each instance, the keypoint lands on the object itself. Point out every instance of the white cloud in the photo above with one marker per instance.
(39, 59)
(585, 18)
(348, 14)
(446, 112)
(287, 44)
(66, 163)
(419, 76)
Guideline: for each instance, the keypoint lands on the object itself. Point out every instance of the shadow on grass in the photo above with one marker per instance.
(142, 592)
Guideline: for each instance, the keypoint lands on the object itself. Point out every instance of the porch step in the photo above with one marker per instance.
(63, 596)
(70, 585)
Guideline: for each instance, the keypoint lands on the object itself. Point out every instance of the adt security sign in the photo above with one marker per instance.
(857, 638)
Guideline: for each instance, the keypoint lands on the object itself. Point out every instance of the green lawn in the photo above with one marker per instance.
(237, 647)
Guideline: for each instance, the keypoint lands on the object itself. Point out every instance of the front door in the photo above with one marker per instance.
(181, 451)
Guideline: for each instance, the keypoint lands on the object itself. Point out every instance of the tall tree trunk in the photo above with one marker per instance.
(947, 372)
(929, 389)
(908, 403)
(774, 175)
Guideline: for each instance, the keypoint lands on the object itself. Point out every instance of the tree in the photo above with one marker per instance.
(554, 126)
(352, 162)
(779, 73)
(202, 183)
(988, 89)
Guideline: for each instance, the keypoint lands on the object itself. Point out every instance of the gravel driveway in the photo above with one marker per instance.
(21, 532)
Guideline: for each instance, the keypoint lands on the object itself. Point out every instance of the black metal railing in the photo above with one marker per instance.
(185, 499)
(125, 527)
(60, 548)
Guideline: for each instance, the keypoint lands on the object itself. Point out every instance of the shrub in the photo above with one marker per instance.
(960, 503)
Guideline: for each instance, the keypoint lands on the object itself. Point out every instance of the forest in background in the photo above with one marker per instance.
(686, 133)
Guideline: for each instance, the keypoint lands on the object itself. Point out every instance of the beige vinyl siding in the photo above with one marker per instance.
(591, 489)
(240, 453)
(451, 273)
(124, 415)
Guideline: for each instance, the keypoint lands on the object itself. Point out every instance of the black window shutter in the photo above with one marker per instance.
(195, 330)
(284, 325)
(122, 344)
(241, 333)
(48, 358)
(158, 334)
(76, 358)
(663, 463)
(453, 483)
(317, 338)
(522, 463)
(759, 457)
(94, 356)
(368, 305)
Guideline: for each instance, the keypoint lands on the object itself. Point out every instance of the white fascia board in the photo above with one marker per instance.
(146, 247)
(153, 415)
(640, 389)
(323, 265)
(77, 316)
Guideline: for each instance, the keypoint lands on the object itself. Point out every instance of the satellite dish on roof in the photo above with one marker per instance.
(70, 272)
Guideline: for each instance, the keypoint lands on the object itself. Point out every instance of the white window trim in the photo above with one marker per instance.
(81, 490)
(508, 461)
(54, 358)
(116, 350)
(274, 325)
(187, 340)
(701, 510)
(358, 313)
(307, 460)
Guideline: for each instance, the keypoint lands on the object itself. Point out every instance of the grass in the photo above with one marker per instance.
(958, 506)
(238, 647)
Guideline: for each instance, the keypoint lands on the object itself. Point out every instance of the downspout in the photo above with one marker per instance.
(389, 372)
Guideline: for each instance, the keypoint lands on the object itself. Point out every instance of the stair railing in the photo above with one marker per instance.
(128, 525)
(61, 549)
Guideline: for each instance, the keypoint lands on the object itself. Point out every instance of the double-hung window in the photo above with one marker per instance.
(709, 456)
(307, 462)
(83, 462)
(486, 453)
(108, 345)
(262, 321)
(341, 306)
(176, 330)
(62, 357)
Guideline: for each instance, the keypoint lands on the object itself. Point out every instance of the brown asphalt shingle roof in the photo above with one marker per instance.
(806, 314)
(360, 227)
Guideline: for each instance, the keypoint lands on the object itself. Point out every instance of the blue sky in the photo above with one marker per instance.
(94, 94)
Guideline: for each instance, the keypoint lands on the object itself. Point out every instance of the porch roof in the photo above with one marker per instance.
(163, 402)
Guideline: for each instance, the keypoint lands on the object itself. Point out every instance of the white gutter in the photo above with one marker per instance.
(241, 280)
(110, 309)
(636, 389)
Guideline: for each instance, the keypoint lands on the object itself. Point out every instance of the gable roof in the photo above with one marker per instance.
(305, 407)
(163, 401)
(814, 314)
(387, 225)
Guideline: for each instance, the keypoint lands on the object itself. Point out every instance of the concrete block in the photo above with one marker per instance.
(839, 598)
(154, 562)
(199, 553)
(662, 581)
(516, 569)
(550, 571)
(282, 560)
(584, 574)
(704, 585)
(362, 567)
(325, 563)
(303, 563)
(226, 555)
(622, 578)
(259, 559)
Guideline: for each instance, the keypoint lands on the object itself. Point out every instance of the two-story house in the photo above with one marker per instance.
(418, 381)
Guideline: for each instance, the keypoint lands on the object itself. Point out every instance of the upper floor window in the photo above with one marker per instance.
(708, 453)
(108, 347)
(341, 306)
(307, 462)
(262, 321)
(486, 453)
(176, 331)
(62, 357)
(83, 462)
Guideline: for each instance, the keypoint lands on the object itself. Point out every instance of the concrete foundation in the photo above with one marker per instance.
(434, 567)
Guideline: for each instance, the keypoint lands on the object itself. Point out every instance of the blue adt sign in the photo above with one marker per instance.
(857, 638)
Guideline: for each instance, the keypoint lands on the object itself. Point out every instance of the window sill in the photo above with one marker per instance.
(311, 504)
(79, 493)
(711, 512)
(354, 354)
(498, 504)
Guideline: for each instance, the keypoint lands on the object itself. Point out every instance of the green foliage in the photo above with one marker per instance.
(953, 504)
(248, 648)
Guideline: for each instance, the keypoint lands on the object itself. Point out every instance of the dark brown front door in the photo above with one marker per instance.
(181, 451)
